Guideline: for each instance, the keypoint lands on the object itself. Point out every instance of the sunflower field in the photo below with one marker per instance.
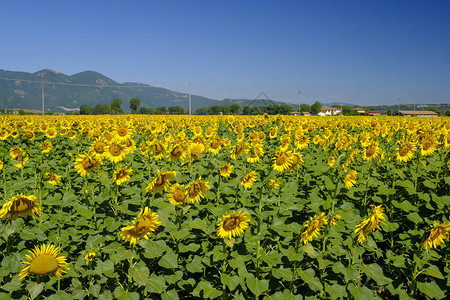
(229, 207)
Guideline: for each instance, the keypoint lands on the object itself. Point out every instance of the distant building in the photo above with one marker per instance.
(303, 113)
(412, 113)
(329, 111)
(372, 113)
(358, 110)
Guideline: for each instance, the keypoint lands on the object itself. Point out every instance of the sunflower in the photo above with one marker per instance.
(89, 257)
(46, 147)
(249, 179)
(195, 149)
(274, 184)
(427, 147)
(335, 219)
(225, 170)
(195, 191)
(177, 152)
(161, 181)
(302, 142)
(98, 148)
(115, 152)
(273, 132)
(215, 146)
(350, 179)
(372, 151)
(233, 225)
(282, 161)
(44, 260)
(158, 150)
(85, 164)
(313, 228)
(331, 161)
(255, 152)
(52, 178)
(146, 223)
(122, 133)
(297, 160)
(406, 151)
(176, 195)
(122, 174)
(370, 224)
(238, 149)
(23, 206)
(1, 164)
(437, 235)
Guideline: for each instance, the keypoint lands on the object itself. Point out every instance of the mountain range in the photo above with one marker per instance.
(63, 92)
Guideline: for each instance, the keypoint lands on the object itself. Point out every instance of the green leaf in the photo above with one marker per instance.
(208, 290)
(122, 294)
(139, 274)
(13, 285)
(154, 249)
(414, 217)
(174, 278)
(360, 292)
(170, 295)
(308, 248)
(256, 285)
(199, 224)
(195, 266)
(95, 290)
(156, 284)
(284, 274)
(60, 295)
(35, 289)
(309, 276)
(84, 211)
(434, 271)
(431, 289)
(169, 260)
(336, 291)
(375, 272)
(231, 281)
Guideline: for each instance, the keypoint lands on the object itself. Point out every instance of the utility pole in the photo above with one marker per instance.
(42, 78)
(299, 103)
(189, 100)
(398, 109)
(341, 105)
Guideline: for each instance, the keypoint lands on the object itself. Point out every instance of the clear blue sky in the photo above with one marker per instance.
(371, 52)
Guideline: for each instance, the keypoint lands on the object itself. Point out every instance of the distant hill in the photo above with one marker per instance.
(23, 90)
(248, 102)
(338, 103)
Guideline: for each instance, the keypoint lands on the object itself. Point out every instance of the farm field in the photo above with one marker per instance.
(229, 207)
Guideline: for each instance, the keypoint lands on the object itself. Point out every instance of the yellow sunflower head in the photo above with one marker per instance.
(146, 223)
(89, 257)
(85, 164)
(232, 225)
(195, 191)
(225, 170)
(44, 260)
(161, 181)
(350, 179)
(23, 206)
(437, 235)
(177, 194)
(249, 179)
(122, 174)
(282, 161)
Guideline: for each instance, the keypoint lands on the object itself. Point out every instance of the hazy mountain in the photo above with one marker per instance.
(248, 102)
(23, 90)
(338, 103)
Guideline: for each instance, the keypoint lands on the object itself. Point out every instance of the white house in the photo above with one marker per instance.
(329, 111)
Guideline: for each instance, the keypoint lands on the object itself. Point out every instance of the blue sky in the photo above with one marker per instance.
(371, 52)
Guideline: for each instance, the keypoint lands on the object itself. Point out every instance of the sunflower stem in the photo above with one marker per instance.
(218, 189)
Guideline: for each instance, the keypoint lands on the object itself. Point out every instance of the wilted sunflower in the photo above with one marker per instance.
(297, 160)
(19, 157)
(44, 260)
(233, 225)
(161, 181)
(176, 152)
(282, 161)
(177, 194)
(255, 152)
(195, 191)
(145, 224)
(427, 147)
(115, 152)
(350, 179)
(225, 170)
(238, 149)
(405, 151)
(122, 174)
(85, 164)
(23, 206)
(335, 219)
(52, 178)
(89, 257)
(313, 228)
(370, 224)
(248, 180)
(437, 235)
